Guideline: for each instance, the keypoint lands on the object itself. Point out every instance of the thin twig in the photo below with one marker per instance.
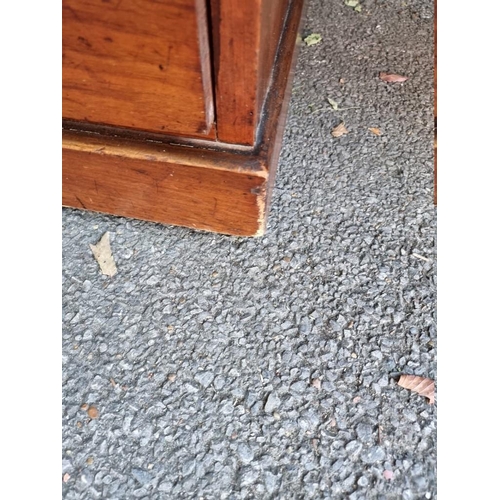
(421, 257)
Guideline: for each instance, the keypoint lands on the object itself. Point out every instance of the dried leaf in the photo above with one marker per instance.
(66, 477)
(313, 39)
(341, 81)
(103, 255)
(357, 8)
(376, 131)
(333, 104)
(421, 385)
(93, 412)
(316, 383)
(392, 78)
(339, 130)
(352, 3)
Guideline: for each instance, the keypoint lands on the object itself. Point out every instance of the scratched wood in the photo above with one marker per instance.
(138, 64)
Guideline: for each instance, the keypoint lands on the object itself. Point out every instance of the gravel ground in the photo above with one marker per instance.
(267, 368)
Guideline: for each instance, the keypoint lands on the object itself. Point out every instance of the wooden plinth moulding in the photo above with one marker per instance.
(216, 179)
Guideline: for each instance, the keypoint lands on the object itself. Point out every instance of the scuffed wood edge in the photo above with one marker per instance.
(210, 191)
(260, 163)
(235, 161)
(270, 135)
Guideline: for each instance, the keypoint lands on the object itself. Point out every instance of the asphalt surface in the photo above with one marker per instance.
(233, 368)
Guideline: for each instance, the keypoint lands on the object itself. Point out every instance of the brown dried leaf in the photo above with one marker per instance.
(66, 477)
(421, 385)
(103, 255)
(93, 412)
(339, 130)
(375, 130)
(392, 78)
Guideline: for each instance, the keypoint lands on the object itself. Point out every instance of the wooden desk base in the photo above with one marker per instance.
(198, 184)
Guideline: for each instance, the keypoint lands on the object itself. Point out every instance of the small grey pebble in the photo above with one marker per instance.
(66, 466)
(86, 479)
(249, 476)
(191, 388)
(165, 486)
(204, 378)
(363, 481)
(270, 481)
(141, 476)
(272, 403)
(299, 386)
(374, 454)
(219, 382)
(354, 448)
(245, 453)
(364, 432)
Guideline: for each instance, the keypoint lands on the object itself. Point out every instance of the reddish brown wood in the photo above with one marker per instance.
(223, 188)
(212, 191)
(276, 108)
(138, 64)
(245, 38)
(272, 19)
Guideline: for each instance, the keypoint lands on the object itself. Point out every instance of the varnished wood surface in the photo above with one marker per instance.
(245, 38)
(276, 107)
(226, 191)
(272, 19)
(139, 64)
(163, 184)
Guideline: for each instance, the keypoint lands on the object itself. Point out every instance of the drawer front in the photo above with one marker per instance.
(138, 64)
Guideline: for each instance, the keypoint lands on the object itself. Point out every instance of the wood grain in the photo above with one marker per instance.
(212, 191)
(138, 64)
(272, 20)
(276, 106)
(226, 190)
(245, 37)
